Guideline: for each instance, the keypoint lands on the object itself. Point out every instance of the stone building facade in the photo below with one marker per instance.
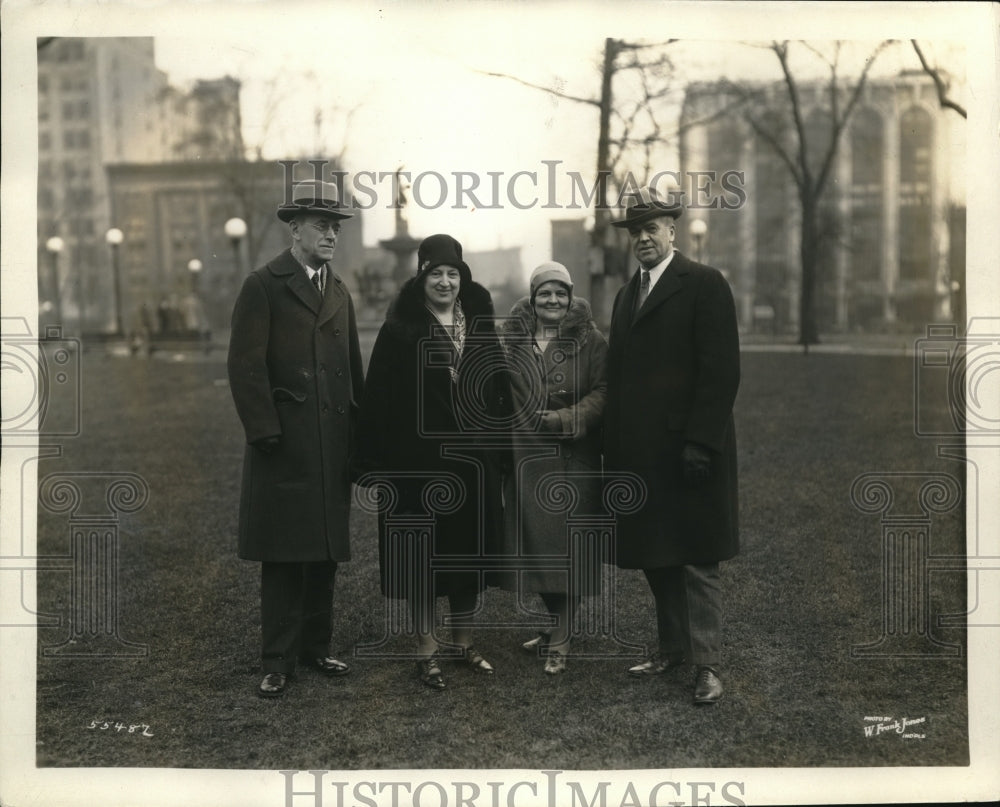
(889, 257)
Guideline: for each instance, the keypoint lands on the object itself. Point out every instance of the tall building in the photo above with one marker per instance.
(888, 221)
(96, 104)
(103, 101)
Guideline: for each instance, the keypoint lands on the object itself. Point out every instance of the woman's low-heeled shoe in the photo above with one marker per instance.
(429, 671)
(555, 662)
(474, 659)
(540, 642)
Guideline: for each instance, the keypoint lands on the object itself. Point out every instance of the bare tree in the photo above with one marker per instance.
(628, 123)
(808, 154)
(941, 82)
(250, 181)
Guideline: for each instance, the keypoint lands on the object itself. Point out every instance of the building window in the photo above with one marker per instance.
(866, 199)
(866, 149)
(70, 51)
(76, 138)
(44, 140)
(76, 110)
(82, 227)
(915, 236)
(81, 197)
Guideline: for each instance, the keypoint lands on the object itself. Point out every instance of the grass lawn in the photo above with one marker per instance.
(807, 586)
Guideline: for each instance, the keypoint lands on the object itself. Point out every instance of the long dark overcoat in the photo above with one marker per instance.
(673, 374)
(569, 378)
(415, 413)
(295, 371)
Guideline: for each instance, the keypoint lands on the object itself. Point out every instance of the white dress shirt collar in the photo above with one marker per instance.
(656, 271)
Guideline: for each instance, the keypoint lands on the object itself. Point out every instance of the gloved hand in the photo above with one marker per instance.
(697, 463)
(550, 422)
(267, 444)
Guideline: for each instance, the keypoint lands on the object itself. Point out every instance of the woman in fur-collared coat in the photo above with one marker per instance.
(557, 360)
(436, 394)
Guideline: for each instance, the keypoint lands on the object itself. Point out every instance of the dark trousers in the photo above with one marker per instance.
(688, 612)
(296, 606)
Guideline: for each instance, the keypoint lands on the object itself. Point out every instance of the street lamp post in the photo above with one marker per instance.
(697, 230)
(198, 320)
(55, 245)
(194, 267)
(235, 229)
(114, 238)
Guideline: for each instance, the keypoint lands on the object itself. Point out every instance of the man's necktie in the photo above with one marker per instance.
(317, 280)
(643, 290)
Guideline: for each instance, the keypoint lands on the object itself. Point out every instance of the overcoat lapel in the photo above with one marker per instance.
(296, 280)
(301, 286)
(666, 287)
(335, 297)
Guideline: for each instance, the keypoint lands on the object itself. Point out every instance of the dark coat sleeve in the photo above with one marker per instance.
(375, 419)
(717, 348)
(354, 353)
(247, 362)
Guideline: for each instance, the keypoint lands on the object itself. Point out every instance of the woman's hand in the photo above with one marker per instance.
(550, 422)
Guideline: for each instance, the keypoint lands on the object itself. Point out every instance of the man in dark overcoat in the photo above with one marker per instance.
(673, 373)
(296, 375)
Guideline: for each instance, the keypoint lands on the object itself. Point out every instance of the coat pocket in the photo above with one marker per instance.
(283, 395)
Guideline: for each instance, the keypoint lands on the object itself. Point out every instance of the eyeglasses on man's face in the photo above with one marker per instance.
(326, 226)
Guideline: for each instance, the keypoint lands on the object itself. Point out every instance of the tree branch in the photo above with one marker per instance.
(750, 100)
(637, 46)
(549, 90)
(939, 83)
(840, 124)
(805, 175)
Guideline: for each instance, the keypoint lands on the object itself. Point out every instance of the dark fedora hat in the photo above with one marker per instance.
(645, 204)
(314, 196)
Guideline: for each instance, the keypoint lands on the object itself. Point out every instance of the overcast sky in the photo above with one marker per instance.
(410, 76)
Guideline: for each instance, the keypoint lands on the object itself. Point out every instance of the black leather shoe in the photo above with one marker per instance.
(429, 671)
(273, 685)
(329, 666)
(707, 686)
(654, 664)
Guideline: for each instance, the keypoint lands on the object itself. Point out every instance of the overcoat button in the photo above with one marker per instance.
(336, 331)
(340, 372)
(340, 410)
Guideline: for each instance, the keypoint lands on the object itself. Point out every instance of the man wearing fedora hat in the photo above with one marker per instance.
(673, 373)
(296, 377)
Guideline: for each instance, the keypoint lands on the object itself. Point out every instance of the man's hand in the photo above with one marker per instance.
(267, 444)
(697, 463)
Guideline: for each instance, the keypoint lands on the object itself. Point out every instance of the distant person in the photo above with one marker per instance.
(436, 390)
(557, 360)
(296, 376)
(673, 373)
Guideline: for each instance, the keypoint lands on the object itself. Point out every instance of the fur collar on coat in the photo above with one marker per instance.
(408, 310)
(577, 326)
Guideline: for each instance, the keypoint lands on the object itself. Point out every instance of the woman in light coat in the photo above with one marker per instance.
(557, 360)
